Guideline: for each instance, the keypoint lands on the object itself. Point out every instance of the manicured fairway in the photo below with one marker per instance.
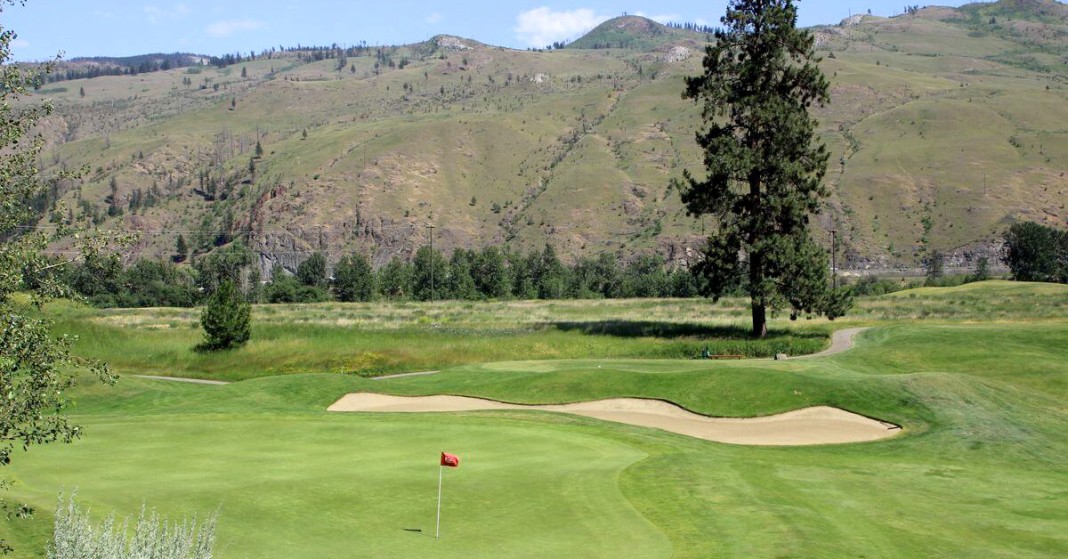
(979, 471)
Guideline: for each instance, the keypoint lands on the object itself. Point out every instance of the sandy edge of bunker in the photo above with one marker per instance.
(808, 426)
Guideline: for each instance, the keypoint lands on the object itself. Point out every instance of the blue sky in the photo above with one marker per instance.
(121, 27)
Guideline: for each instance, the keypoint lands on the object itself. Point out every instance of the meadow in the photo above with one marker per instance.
(975, 374)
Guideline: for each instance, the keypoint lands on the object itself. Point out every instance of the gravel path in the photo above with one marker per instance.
(842, 340)
(406, 375)
(180, 379)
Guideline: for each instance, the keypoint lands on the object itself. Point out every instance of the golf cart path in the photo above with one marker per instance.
(809, 426)
(841, 340)
(183, 379)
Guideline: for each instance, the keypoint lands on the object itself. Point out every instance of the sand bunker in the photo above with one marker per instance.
(818, 425)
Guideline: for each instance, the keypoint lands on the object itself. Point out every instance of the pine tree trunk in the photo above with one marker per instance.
(760, 320)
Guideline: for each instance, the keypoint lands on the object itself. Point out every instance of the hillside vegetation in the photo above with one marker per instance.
(945, 126)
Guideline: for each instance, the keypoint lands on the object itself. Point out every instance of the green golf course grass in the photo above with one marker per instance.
(977, 472)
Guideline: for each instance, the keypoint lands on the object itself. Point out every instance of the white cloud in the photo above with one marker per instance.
(664, 18)
(20, 44)
(542, 26)
(434, 18)
(155, 14)
(221, 29)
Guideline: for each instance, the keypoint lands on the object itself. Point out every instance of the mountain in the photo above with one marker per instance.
(945, 126)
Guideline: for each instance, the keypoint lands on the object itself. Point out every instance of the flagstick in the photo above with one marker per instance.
(437, 527)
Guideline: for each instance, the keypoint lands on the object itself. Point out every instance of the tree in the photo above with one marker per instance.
(312, 272)
(764, 167)
(395, 279)
(460, 284)
(1034, 252)
(982, 269)
(228, 263)
(354, 279)
(935, 268)
(227, 319)
(35, 366)
(181, 249)
(492, 276)
(428, 274)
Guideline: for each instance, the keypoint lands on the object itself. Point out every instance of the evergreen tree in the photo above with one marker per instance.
(312, 272)
(764, 167)
(181, 249)
(227, 320)
(354, 279)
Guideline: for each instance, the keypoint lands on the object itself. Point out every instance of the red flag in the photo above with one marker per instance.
(450, 460)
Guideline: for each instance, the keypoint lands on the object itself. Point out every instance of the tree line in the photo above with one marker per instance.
(466, 274)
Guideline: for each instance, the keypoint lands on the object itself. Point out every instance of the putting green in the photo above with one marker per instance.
(361, 485)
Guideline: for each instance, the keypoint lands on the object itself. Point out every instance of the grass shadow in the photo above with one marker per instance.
(675, 330)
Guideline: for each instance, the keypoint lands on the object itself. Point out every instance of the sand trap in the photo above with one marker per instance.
(818, 425)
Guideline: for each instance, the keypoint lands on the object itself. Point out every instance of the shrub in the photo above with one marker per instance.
(153, 537)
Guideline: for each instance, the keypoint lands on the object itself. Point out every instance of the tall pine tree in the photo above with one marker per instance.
(764, 167)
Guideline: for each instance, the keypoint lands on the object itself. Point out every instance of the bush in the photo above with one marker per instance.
(153, 537)
(227, 320)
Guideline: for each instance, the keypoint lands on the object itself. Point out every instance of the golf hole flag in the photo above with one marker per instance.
(447, 461)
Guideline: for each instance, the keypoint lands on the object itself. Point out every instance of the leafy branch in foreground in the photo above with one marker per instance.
(34, 365)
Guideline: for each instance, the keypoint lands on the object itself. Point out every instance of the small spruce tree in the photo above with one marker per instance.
(227, 320)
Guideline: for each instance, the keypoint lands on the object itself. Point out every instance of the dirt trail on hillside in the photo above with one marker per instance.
(809, 426)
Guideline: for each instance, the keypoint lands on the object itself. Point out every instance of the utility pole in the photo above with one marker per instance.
(834, 262)
(431, 228)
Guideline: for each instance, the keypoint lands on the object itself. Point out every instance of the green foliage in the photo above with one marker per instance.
(395, 280)
(934, 267)
(428, 274)
(36, 368)
(286, 288)
(492, 275)
(354, 279)
(982, 269)
(1035, 252)
(645, 277)
(461, 281)
(764, 166)
(227, 319)
(181, 249)
(153, 537)
(312, 272)
(229, 263)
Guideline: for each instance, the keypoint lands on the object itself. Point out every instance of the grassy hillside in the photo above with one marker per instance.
(944, 125)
